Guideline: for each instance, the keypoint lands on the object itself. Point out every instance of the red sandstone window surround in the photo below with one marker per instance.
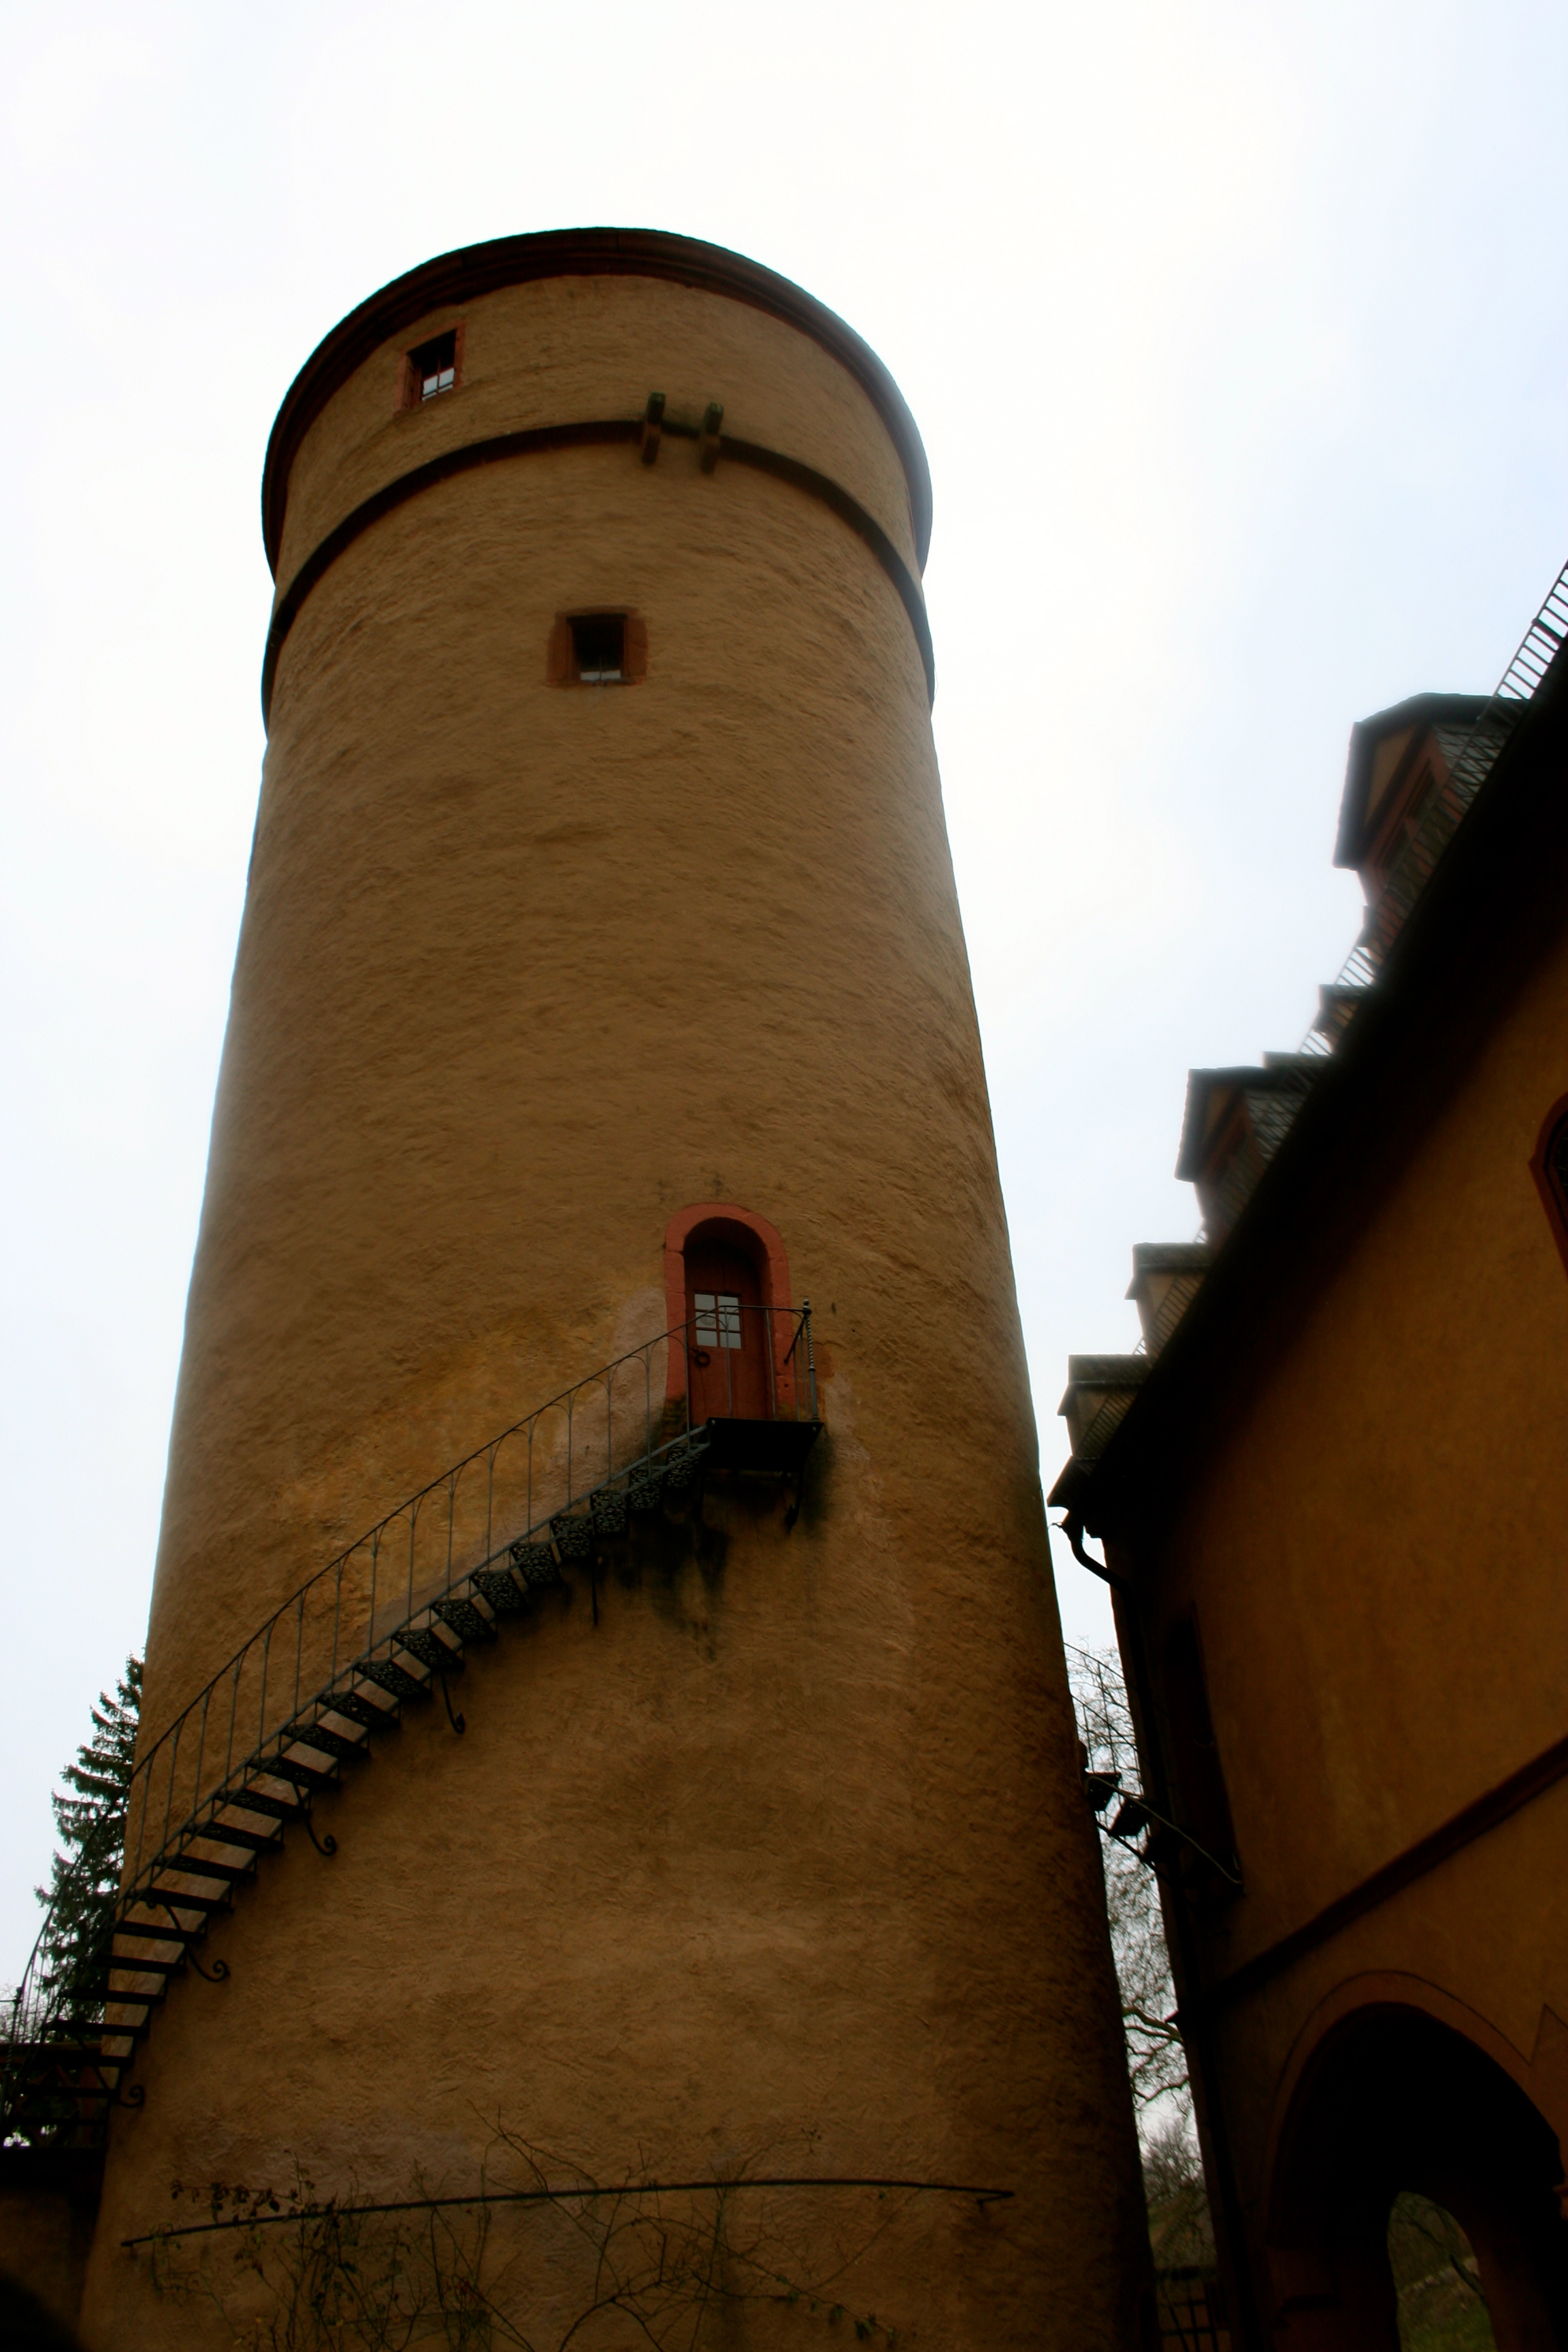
(1549, 1166)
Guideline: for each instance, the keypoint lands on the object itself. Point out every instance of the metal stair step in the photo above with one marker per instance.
(136, 1996)
(130, 2031)
(388, 1676)
(680, 1468)
(327, 1742)
(251, 1798)
(133, 1965)
(168, 1932)
(302, 1775)
(429, 1649)
(204, 1903)
(573, 1535)
(354, 1708)
(229, 1873)
(502, 1590)
(608, 1509)
(536, 1564)
(131, 2035)
(461, 1617)
(244, 1841)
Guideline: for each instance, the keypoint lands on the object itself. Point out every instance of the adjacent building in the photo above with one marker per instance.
(1330, 1490)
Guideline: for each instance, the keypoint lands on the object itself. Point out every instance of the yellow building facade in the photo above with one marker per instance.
(1330, 1492)
(682, 1791)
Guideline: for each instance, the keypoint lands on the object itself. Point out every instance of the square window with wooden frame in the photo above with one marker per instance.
(431, 369)
(597, 649)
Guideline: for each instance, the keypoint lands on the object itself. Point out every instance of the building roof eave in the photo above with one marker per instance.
(1462, 914)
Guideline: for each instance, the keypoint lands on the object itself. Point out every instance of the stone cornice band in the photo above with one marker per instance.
(454, 280)
(602, 432)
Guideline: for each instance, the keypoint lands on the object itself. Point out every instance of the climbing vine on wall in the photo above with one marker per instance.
(557, 2259)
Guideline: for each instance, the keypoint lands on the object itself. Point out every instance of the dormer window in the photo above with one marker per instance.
(431, 370)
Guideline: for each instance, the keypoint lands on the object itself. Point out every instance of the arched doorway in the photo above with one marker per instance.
(1394, 2101)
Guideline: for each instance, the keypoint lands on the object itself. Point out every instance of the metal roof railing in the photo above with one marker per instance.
(1441, 814)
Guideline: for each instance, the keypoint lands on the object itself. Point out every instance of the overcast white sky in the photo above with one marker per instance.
(1236, 336)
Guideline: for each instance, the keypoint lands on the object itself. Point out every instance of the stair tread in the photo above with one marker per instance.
(303, 1775)
(342, 1744)
(262, 1800)
(160, 1897)
(201, 1865)
(150, 1931)
(388, 1676)
(357, 1708)
(254, 1842)
(430, 1650)
(465, 1619)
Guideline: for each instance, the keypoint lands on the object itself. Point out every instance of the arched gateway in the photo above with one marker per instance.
(1392, 2100)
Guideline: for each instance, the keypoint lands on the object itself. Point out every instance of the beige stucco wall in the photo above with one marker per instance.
(782, 1862)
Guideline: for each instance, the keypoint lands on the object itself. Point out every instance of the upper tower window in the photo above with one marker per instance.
(431, 370)
(599, 649)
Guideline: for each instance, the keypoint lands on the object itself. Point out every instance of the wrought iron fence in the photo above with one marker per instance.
(394, 1609)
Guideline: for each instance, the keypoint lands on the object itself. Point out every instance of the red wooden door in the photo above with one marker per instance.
(728, 1344)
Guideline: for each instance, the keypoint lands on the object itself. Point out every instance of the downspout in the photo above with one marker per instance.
(1192, 2015)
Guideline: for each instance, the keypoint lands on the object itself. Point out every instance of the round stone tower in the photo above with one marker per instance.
(685, 1792)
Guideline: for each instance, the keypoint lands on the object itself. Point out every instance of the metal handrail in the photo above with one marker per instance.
(1442, 809)
(527, 1486)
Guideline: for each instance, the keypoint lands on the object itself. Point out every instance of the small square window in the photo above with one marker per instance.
(599, 649)
(718, 1318)
(433, 368)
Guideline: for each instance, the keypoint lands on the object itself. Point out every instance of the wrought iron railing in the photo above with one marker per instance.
(393, 1608)
(1436, 822)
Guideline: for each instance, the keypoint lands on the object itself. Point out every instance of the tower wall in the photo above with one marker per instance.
(768, 1854)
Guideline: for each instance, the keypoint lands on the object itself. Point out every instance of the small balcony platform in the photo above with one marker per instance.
(780, 1447)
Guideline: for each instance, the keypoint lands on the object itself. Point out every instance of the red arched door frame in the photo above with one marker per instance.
(727, 1223)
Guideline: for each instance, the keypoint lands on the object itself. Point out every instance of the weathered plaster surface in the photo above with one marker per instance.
(783, 1861)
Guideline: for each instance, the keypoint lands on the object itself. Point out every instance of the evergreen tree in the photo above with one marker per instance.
(90, 1815)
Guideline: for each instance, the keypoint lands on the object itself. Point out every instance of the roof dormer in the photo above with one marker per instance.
(1412, 773)
(1165, 1279)
(1099, 1390)
(1235, 1121)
